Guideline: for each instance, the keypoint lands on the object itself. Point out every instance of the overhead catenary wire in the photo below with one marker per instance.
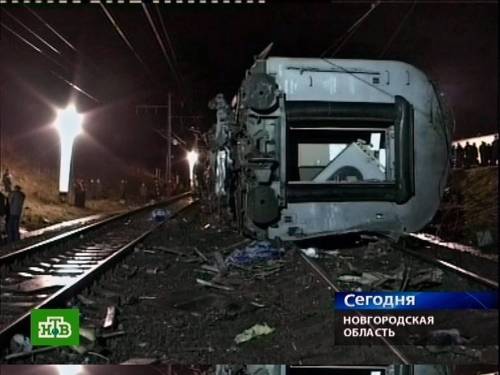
(32, 46)
(398, 29)
(165, 33)
(31, 32)
(124, 38)
(162, 45)
(340, 42)
(51, 28)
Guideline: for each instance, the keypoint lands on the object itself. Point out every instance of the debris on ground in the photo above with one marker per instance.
(445, 337)
(310, 252)
(253, 332)
(213, 285)
(109, 320)
(20, 344)
(160, 214)
(426, 277)
(255, 252)
(140, 361)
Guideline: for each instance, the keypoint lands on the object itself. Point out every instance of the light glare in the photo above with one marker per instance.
(192, 158)
(69, 125)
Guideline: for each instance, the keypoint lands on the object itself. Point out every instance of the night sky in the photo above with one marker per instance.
(453, 42)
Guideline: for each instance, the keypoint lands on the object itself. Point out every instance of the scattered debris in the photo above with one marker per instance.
(219, 261)
(88, 333)
(213, 285)
(99, 356)
(20, 344)
(444, 337)
(213, 269)
(29, 353)
(140, 361)
(86, 301)
(170, 250)
(257, 251)
(109, 321)
(427, 277)
(152, 271)
(332, 253)
(200, 254)
(256, 304)
(160, 214)
(311, 252)
(253, 332)
(111, 335)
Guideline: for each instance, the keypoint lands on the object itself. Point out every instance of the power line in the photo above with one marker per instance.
(31, 45)
(51, 28)
(32, 32)
(162, 24)
(339, 42)
(124, 38)
(162, 45)
(398, 29)
(77, 88)
(20, 37)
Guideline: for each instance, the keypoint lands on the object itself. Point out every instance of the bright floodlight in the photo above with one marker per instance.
(192, 158)
(69, 125)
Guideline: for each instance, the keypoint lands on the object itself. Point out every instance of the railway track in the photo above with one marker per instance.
(407, 248)
(48, 274)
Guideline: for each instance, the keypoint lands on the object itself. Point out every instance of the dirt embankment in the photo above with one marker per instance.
(42, 206)
(469, 211)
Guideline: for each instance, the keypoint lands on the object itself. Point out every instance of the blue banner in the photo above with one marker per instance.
(402, 301)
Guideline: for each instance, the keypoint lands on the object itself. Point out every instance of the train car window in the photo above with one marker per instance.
(341, 156)
(337, 151)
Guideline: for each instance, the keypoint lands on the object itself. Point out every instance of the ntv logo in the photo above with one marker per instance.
(55, 327)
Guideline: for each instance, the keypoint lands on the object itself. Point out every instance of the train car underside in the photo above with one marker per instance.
(309, 151)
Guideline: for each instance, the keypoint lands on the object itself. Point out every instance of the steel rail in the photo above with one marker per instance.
(39, 246)
(450, 267)
(22, 324)
(331, 284)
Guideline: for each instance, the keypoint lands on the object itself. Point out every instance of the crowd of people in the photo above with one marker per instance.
(471, 155)
(11, 208)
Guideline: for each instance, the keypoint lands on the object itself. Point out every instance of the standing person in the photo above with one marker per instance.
(143, 192)
(7, 181)
(474, 154)
(468, 155)
(483, 153)
(453, 156)
(3, 215)
(98, 189)
(16, 202)
(92, 189)
(460, 156)
(494, 150)
(123, 189)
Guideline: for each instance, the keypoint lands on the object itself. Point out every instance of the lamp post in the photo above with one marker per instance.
(69, 125)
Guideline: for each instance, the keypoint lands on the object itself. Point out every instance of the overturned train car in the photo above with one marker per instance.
(314, 147)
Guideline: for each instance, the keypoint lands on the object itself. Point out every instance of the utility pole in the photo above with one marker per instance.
(168, 164)
(167, 134)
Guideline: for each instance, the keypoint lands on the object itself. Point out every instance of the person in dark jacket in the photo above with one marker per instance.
(3, 216)
(16, 203)
(7, 181)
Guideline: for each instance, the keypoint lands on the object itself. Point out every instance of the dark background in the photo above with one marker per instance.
(455, 43)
